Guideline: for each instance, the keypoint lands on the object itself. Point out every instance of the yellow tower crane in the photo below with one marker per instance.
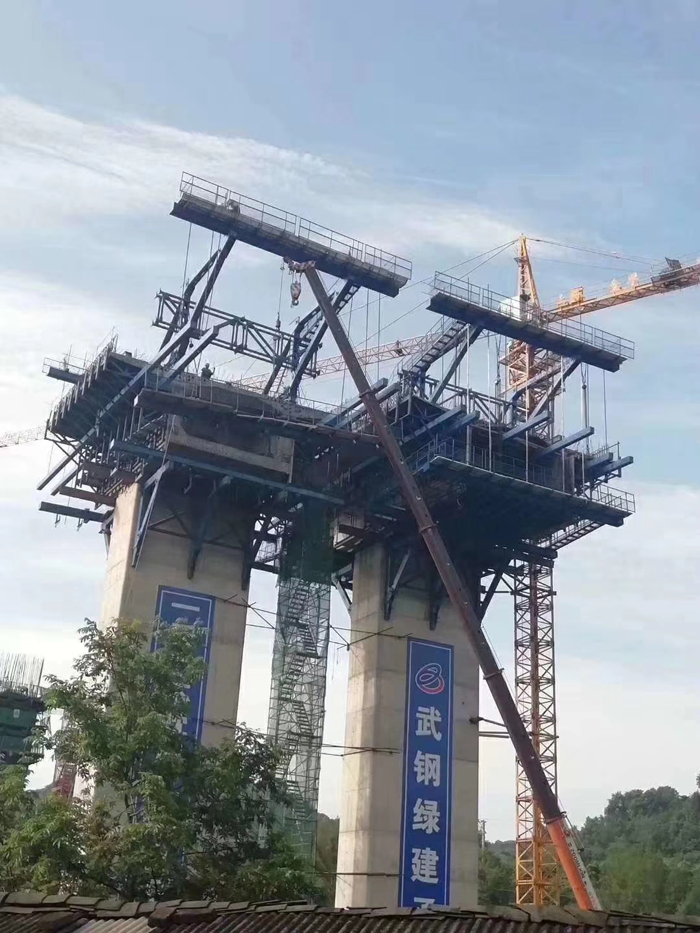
(532, 372)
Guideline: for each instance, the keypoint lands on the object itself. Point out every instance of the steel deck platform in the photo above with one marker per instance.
(481, 307)
(277, 231)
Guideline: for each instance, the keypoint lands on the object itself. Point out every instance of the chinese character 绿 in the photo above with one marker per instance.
(424, 865)
(428, 720)
(426, 816)
(427, 768)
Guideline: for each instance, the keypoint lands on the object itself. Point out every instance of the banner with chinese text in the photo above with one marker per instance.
(184, 607)
(424, 873)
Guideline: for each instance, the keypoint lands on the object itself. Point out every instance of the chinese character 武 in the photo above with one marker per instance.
(428, 720)
(424, 864)
(426, 816)
(427, 768)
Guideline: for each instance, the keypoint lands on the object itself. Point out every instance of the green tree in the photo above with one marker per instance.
(644, 851)
(496, 877)
(168, 818)
(633, 879)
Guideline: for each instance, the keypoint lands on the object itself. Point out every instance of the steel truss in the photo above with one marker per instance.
(535, 377)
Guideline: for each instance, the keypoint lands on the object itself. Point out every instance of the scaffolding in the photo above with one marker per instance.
(299, 660)
(22, 708)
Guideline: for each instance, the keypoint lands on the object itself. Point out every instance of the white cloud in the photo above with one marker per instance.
(57, 168)
(42, 319)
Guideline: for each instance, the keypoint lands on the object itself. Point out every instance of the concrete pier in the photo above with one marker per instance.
(373, 809)
(215, 597)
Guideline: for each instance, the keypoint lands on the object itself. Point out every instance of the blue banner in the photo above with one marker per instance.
(424, 873)
(186, 608)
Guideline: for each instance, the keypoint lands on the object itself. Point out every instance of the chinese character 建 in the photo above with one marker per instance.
(426, 816)
(428, 720)
(424, 866)
(427, 768)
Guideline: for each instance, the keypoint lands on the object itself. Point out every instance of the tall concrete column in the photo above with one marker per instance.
(217, 585)
(370, 841)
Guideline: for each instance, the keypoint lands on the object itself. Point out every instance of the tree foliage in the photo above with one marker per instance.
(168, 817)
(643, 854)
(644, 851)
(496, 875)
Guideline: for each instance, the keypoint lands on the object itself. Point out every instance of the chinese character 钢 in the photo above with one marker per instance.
(427, 768)
(428, 719)
(426, 816)
(424, 865)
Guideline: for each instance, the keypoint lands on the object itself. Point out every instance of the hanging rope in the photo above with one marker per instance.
(366, 320)
(345, 370)
(187, 259)
(379, 330)
(488, 382)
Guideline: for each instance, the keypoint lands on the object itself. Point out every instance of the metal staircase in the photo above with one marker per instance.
(297, 696)
(445, 340)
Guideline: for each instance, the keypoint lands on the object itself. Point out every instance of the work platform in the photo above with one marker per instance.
(481, 307)
(490, 491)
(277, 231)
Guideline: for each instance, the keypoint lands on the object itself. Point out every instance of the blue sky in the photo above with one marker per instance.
(436, 130)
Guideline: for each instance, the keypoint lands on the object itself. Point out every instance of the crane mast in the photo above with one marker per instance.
(530, 374)
(534, 378)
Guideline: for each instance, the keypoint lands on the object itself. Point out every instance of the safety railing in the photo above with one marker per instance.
(532, 473)
(510, 307)
(266, 215)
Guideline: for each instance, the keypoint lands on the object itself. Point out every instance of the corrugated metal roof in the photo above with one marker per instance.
(31, 912)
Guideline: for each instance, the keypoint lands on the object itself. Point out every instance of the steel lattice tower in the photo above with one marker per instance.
(532, 376)
(537, 875)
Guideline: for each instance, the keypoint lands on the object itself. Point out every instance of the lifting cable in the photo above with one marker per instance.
(595, 252)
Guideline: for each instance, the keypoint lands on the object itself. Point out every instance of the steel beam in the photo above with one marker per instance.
(201, 466)
(524, 426)
(84, 515)
(564, 442)
(211, 279)
(76, 493)
(191, 354)
(339, 418)
(393, 587)
(180, 316)
(347, 292)
(611, 467)
(448, 422)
